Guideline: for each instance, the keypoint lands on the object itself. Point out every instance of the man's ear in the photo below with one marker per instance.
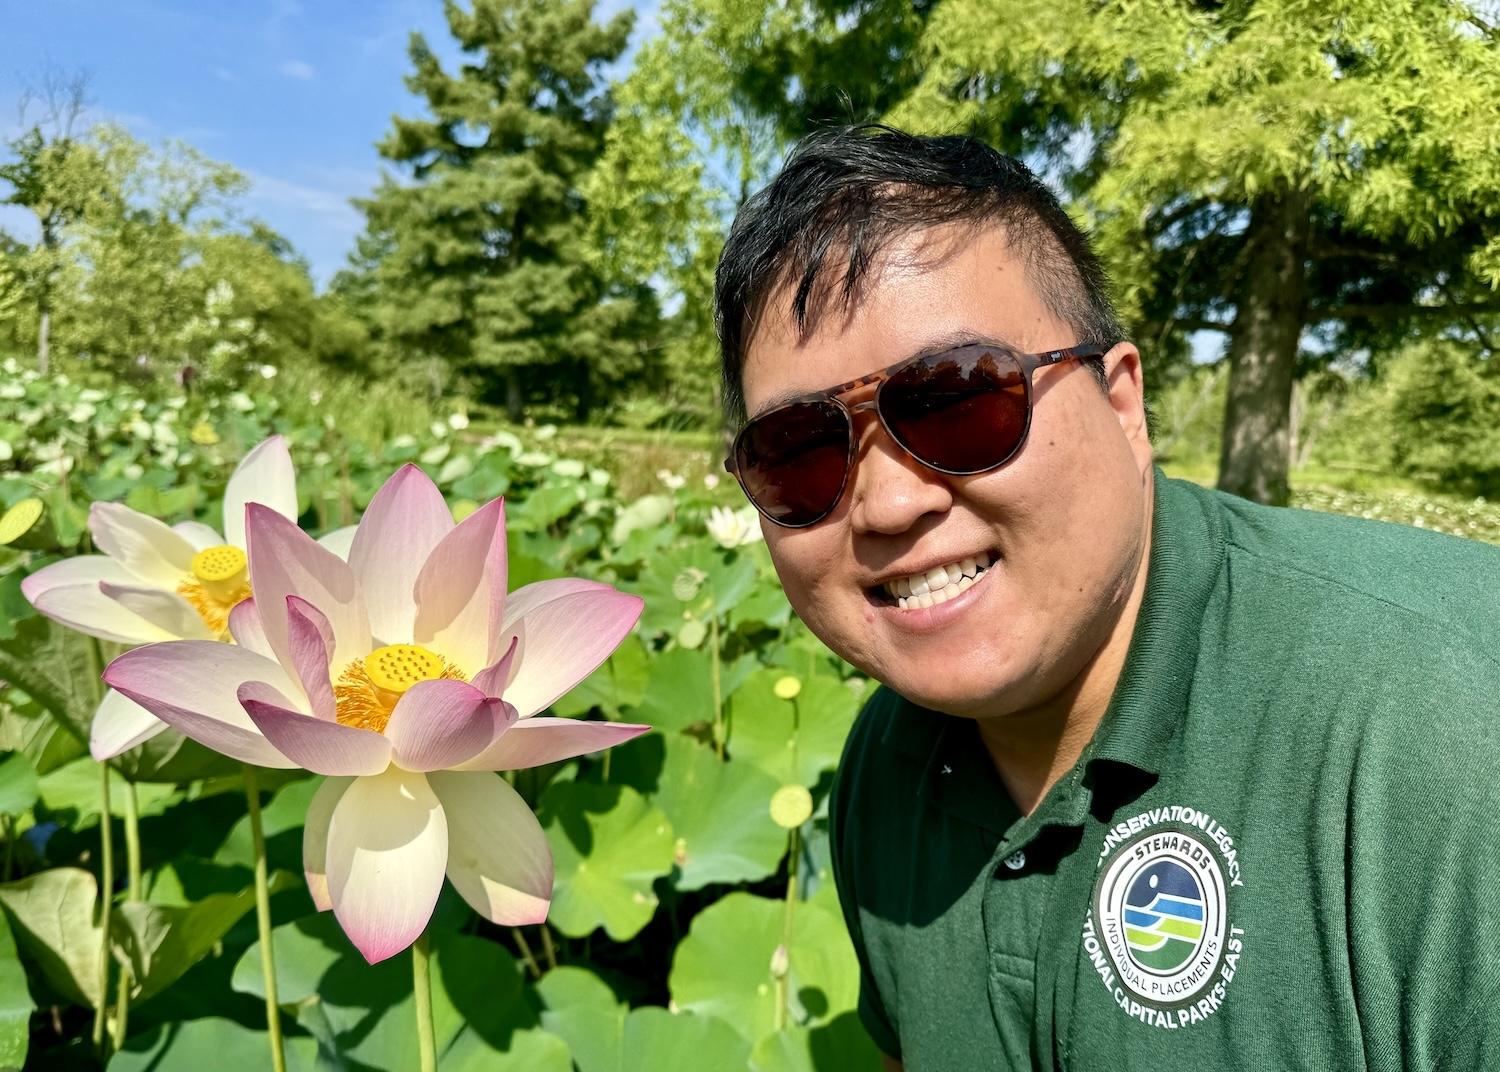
(1127, 397)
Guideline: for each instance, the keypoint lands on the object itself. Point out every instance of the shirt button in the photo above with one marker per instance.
(1015, 861)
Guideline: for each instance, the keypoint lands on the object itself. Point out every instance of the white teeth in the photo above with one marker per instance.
(939, 584)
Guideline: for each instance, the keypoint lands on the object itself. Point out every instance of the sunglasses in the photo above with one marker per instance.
(961, 411)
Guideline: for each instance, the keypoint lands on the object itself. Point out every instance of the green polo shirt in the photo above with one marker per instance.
(1278, 852)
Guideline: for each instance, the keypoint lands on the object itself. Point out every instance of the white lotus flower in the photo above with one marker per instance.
(158, 582)
(733, 528)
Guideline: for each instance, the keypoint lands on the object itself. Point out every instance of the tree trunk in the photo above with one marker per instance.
(1256, 452)
(44, 342)
(512, 395)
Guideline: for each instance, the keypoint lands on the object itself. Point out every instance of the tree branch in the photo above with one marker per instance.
(1396, 312)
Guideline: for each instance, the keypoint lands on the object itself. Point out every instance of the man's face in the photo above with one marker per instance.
(1065, 523)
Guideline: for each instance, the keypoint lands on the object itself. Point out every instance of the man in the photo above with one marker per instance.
(1158, 778)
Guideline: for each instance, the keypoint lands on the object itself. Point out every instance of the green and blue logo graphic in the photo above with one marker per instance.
(1163, 916)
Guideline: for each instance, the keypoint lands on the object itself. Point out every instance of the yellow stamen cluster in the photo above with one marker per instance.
(368, 689)
(220, 579)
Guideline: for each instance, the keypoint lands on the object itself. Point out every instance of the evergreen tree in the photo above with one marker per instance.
(479, 255)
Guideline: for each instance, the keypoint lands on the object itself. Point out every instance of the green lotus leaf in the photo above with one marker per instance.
(609, 846)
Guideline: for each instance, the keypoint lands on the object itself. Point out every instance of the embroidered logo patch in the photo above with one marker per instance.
(1160, 931)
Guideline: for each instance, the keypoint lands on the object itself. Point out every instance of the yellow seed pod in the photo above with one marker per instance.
(221, 563)
(791, 806)
(22, 520)
(397, 667)
(789, 687)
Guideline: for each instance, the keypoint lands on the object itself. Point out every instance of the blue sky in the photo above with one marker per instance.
(293, 94)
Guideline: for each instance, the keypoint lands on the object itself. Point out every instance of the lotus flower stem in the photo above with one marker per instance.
(713, 673)
(263, 921)
(126, 977)
(132, 845)
(548, 947)
(525, 947)
(782, 982)
(106, 855)
(106, 891)
(421, 982)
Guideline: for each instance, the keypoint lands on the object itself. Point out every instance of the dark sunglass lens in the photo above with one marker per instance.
(791, 461)
(965, 413)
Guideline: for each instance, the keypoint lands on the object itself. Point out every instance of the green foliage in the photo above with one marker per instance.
(479, 258)
(15, 1003)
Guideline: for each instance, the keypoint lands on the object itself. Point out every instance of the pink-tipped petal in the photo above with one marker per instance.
(461, 589)
(321, 746)
(194, 684)
(405, 520)
(264, 476)
(168, 611)
(439, 724)
(498, 857)
(534, 741)
(315, 839)
(493, 678)
(387, 852)
(145, 546)
(248, 630)
(565, 641)
(87, 609)
(285, 561)
(528, 597)
(119, 725)
(339, 541)
(80, 569)
(201, 536)
(311, 639)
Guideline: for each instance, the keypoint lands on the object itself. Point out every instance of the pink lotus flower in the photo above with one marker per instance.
(157, 582)
(408, 676)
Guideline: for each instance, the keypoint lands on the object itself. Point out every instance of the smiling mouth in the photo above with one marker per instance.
(936, 586)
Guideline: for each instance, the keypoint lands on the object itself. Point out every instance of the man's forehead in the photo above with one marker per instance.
(926, 293)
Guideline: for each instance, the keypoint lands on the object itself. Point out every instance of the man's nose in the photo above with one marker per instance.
(891, 490)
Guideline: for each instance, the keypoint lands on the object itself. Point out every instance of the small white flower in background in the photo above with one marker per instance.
(503, 439)
(141, 430)
(315, 396)
(733, 528)
(6, 451)
(710, 480)
(439, 429)
(599, 478)
(12, 391)
(670, 479)
(458, 421)
(546, 431)
(241, 401)
(175, 403)
(534, 459)
(132, 471)
(569, 467)
(81, 413)
(91, 394)
(268, 372)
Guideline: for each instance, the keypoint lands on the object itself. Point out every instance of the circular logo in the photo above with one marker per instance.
(1161, 911)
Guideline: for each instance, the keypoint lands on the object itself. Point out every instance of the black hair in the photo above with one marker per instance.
(844, 192)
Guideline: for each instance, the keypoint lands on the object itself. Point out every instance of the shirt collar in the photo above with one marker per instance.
(1187, 555)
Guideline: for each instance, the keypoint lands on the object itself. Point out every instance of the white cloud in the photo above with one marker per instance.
(298, 69)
